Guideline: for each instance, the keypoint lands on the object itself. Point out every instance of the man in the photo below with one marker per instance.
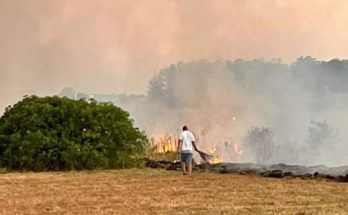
(186, 141)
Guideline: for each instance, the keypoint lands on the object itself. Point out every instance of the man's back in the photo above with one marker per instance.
(187, 138)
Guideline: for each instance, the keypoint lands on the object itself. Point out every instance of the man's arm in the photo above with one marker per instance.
(194, 146)
(179, 145)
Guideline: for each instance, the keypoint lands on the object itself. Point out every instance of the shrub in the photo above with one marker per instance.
(53, 133)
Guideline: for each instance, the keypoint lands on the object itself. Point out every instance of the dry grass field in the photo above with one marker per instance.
(164, 192)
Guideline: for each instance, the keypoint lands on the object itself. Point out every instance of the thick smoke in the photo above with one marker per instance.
(303, 105)
(113, 46)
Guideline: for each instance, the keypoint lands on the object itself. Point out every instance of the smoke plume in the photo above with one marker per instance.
(301, 107)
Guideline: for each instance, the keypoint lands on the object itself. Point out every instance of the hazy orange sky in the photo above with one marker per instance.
(115, 46)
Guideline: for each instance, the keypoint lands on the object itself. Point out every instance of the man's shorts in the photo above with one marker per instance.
(186, 157)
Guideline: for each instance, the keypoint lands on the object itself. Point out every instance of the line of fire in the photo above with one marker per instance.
(221, 149)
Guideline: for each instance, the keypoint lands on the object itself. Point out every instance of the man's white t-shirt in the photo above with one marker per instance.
(186, 137)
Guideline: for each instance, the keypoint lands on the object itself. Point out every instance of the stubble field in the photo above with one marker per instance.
(149, 191)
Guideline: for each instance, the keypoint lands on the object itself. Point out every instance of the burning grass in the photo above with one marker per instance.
(150, 191)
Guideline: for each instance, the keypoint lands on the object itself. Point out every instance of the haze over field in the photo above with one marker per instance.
(116, 46)
(119, 46)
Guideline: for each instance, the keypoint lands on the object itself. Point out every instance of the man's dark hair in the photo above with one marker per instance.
(184, 128)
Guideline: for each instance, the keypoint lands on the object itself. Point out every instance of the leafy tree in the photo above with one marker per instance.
(261, 144)
(68, 92)
(52, 133)
(184, 85)
(320, 134)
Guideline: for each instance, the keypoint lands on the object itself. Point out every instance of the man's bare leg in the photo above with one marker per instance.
(183, 167)
(189, 167)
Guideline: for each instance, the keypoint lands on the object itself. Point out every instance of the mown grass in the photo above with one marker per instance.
(148, 191)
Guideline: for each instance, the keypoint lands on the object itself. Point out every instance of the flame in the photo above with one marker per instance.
(163, 144)
(212, 149)
(216, 159)
(168, 143)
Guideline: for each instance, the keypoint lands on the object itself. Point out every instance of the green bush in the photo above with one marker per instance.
(53, 133)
